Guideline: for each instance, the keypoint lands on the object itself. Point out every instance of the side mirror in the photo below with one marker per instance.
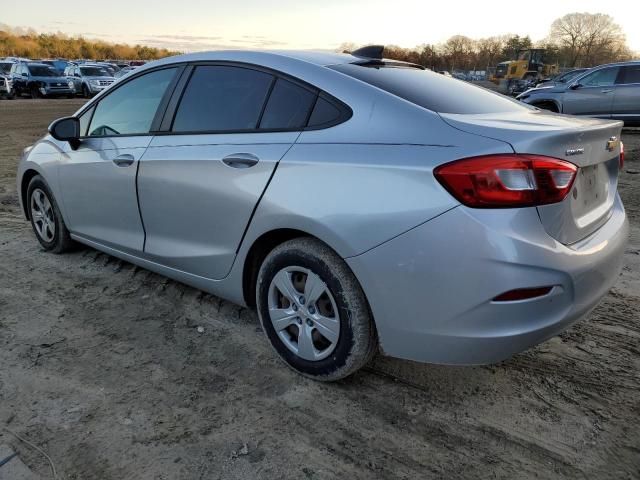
(66, 129)
(575, 86)
(24, 74)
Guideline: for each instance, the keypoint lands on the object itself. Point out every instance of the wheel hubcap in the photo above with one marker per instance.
(304, 313)
(42, 215)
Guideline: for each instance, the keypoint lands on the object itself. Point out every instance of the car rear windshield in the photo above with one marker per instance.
(431, 90)
(5, 67)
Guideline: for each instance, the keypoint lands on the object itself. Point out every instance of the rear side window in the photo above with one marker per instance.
(289, 106)
(324, 112)
(629, 74)
(222, 98)
(431, 90)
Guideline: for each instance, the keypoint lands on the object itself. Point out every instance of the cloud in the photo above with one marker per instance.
(188, 38)
(193, 43)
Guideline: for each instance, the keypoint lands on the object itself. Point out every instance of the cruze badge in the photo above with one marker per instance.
(574, 151)
(613, 143)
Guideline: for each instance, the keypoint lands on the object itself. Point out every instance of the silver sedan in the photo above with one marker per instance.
(359, 204)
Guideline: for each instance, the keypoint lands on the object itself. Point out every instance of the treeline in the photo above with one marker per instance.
(29, 44)
(575, 40)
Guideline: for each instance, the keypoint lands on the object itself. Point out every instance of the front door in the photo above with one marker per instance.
(98, 179)
(592, 94)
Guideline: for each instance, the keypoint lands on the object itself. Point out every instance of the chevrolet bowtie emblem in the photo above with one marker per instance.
(613, 143)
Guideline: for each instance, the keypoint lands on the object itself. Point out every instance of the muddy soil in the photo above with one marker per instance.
(102, 366)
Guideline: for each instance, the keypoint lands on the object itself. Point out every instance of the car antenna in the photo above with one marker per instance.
(370, 51)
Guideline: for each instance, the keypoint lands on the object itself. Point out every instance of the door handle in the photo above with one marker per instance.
(240, 160)
(607, 90)
(124, 160)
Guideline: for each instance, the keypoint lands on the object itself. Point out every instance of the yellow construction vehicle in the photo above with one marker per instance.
(529, 66)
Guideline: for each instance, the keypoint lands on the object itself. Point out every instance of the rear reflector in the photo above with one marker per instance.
(507, 181)
(522, 294)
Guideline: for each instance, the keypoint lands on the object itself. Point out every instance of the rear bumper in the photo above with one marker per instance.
(431, 289)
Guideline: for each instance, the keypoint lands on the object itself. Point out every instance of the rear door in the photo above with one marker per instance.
(592, 94)
(200, 181)
(626, 101)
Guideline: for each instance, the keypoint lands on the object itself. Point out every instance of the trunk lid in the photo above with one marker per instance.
(593, 145)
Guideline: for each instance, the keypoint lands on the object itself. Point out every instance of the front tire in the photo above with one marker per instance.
(314, 311)
(46, 219)
(85, 92)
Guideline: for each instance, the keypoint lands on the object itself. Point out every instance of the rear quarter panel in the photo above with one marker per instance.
(355, 196)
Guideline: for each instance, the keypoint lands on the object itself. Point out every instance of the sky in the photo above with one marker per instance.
(190, 25)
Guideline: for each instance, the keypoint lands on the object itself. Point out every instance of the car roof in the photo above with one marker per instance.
(619, 64)
(319, 58)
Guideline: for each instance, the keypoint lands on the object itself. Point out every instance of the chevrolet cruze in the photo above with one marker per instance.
(360, 204)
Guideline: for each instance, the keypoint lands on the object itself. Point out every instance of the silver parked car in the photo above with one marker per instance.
(358, 203)
(89, 79)
(608, 91)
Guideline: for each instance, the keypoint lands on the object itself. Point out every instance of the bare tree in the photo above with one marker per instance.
(588, 38)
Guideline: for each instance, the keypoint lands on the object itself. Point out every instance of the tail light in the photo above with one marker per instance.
(507, 181)
(621, 155)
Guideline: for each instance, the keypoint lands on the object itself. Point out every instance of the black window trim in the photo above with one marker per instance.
(165, 114)
(166, 128)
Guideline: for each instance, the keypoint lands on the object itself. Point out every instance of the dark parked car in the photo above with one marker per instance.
(607, 91)
(6, 84)
(58, 65)
(39, 80)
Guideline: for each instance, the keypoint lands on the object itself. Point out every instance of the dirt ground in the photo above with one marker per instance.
(102, 366)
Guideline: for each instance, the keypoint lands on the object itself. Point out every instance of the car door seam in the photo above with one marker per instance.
(255, 207)
(144, 230)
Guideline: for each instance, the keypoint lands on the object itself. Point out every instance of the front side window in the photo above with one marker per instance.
(629, 74)
(131, 108)
(600, 78)
(222, 98)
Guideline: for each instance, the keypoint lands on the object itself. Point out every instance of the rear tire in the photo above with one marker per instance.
(335, 306)
(46, 219)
